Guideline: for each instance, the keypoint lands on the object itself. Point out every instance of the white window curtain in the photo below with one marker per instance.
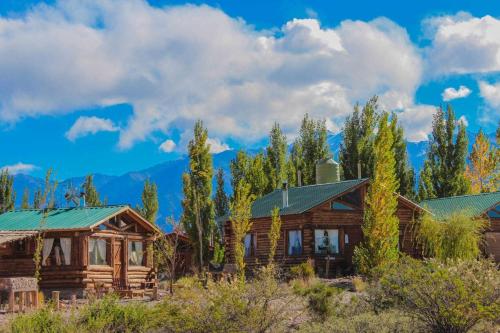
(66, 248)
(46, 249)
(326, 241)
(101, 245)
(248, 245)
(140, 253)
(135, 253)
(294, 242)
(97, 251)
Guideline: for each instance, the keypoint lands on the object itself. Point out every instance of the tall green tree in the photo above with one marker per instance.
(37, 199)
(359, 137)
(221, 200)
(91, 194)
(241, 223)
(380, 225)
(149, 208)
(25, 204)
(239, 168)
(276, 159)
(443, 174)
(7, 193)
(404, 172)
(198, 216)
(310, 147)
(251, 171)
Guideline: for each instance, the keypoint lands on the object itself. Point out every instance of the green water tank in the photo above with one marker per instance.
(327, 171)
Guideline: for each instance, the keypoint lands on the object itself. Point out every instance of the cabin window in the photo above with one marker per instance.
(20, 246)
(97, 251)
(135, 253)
(56, 251)
(340, 206)
(250, 245)
(294, 242)
(326, 241)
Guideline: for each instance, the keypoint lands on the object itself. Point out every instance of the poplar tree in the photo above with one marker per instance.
(241, 223)
(310, 147)
(380, 225)
(7, 193)
(274, 233)
(276, 159)
(251, 170)
(482, 164)
(149, 208)
(239, 168)
(444, 169)
(359, 136)
(404, 172)
(25, 201)
(37, 199)
(198, 207)
(221, 201)
(91, 194)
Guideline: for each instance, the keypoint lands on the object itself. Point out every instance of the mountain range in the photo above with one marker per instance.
(127, 188)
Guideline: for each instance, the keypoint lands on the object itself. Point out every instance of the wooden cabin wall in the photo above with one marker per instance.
(15, 264)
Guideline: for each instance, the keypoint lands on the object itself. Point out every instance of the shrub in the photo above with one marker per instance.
(359, 284)
(45, 320)
(445, 297)
(108, 315)
(457, 236)
(320, 298)
(304, 271)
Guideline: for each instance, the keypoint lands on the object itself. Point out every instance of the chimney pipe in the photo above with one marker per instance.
(299, 178)
(359, 170)
(285, 194)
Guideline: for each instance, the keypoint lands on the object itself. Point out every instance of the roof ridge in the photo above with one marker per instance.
(341, 181)
(461, 196)
(66, 208)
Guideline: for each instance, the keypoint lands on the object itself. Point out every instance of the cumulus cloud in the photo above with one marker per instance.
(181, 63)
(216, 146)
(84, 126)
(452, 93)
(19, 168)
(417, 122)
(463, 120)
(167, 146)
(490, 92)
(463, 44)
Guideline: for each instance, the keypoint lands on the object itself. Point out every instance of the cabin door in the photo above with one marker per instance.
(118, 260)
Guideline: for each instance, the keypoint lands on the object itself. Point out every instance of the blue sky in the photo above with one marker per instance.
(112, 86)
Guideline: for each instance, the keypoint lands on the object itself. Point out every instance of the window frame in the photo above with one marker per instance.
(288, 242)
(253, 245)
(339, 244)
(142, 264)
(107, 261)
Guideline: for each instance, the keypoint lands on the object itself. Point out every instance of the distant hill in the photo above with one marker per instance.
(127, 188)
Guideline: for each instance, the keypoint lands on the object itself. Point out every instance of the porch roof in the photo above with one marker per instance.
(57, 219)
(11, 236)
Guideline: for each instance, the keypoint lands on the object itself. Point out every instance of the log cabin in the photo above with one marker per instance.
(83, 248)
(320, 222)
(484, 205)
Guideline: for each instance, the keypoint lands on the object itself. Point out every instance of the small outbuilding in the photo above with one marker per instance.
(82, 248)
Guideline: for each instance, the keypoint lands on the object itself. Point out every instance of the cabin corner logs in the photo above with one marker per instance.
(103, 255)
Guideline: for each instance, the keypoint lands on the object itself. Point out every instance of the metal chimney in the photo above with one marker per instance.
(299, 178)
(285, 194)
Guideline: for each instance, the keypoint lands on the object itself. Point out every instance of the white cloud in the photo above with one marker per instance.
(19, 168)
(490, 92)
(463, 120)
(167, 146)
(452, 93)
(463, 44)
(216, 146)
(180, 63)
(417, 122)
(84, 126)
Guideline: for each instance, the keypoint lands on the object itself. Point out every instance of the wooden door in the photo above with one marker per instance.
(118, 260)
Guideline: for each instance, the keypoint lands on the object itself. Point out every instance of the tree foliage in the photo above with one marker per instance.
(91, 195)
(404, 172)
(149, 208)
(443, 174)
(310, 147)
(221, 201)
(274, 233)
(7, 193)
(457, 236)
(25, 202)
(381, 225)
(251, 171)
(241, 213)
(276, 159)
(483, 161)
(198, 207)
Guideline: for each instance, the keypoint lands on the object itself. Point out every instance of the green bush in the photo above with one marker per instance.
(108, 315)
(304, 271)
(45, 320)
(445, 297)
(320, 297)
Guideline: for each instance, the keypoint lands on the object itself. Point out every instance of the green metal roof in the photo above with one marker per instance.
(474, 204)
(58, 219)
(300, 199)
